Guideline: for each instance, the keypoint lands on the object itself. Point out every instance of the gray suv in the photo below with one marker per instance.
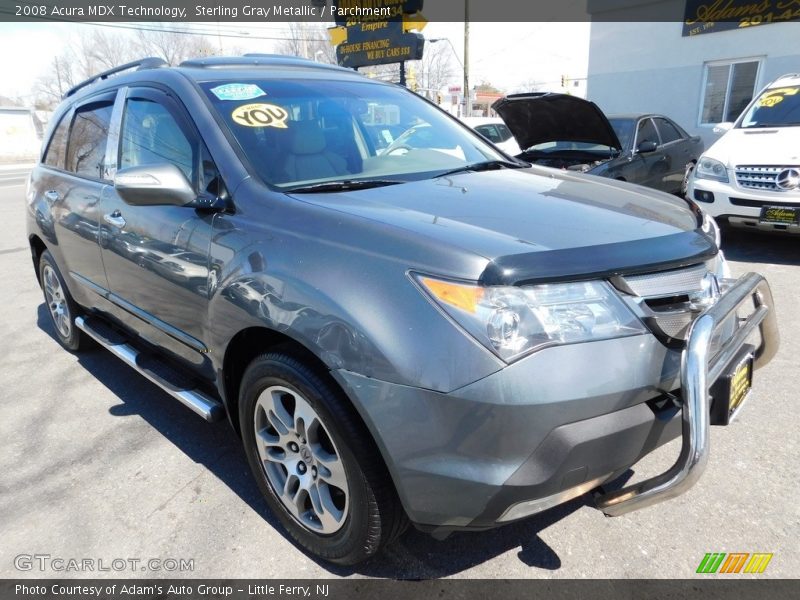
(401, 322)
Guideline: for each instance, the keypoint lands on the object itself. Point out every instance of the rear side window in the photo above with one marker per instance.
(668, 131)
(54, 156)
(646, 132)
(489, 132)
(505, 132)
(88, 137)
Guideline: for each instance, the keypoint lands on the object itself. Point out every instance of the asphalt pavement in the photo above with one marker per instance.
(99, 464)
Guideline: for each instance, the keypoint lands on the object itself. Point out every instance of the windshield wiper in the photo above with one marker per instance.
(487, 165)
(341, 185)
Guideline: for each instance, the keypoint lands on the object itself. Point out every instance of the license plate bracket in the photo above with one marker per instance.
(780, 215)
(730, 391)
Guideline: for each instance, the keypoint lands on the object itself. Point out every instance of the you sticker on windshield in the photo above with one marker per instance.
(776, 96)
(260, 115)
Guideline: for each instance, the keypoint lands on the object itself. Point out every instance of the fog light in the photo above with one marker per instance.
(531, 507)
(704, 196)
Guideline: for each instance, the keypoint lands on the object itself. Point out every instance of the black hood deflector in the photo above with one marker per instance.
(603, 261)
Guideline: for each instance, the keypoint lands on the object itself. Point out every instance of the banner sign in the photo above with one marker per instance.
(386, 45)
(709, 16)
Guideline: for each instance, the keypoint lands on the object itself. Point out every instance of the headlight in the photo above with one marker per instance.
(514, 321)
(708, 168)
(711, 228)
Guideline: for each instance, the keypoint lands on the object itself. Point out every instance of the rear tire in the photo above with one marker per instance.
(60, 305)
(315, 462)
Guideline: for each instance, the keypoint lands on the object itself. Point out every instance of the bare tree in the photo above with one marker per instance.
(103, 50)
(435, 70)
(529, 85)
(64, 71)
(308, 40)
(98, 51)
(174, 45)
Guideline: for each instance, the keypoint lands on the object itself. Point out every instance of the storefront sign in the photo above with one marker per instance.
(709, 16)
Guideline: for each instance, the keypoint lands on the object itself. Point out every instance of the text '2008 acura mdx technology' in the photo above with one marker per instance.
(442, 335)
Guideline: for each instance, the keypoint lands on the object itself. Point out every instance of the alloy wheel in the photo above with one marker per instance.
(300, 460)
(56, 301)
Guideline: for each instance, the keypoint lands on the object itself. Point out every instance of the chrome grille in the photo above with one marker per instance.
(666, 300)
(667, 283)
(759, 177)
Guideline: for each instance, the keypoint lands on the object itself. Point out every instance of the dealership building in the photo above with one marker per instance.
(697, 72)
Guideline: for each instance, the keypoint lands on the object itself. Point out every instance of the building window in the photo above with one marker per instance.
(729, 87)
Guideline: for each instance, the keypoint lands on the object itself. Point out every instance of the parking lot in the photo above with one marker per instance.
(98, 463)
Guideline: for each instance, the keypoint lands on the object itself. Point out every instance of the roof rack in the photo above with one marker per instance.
(139, 65)
(255, 59)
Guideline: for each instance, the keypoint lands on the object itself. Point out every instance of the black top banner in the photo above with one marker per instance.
(347, 12)
(698, 16)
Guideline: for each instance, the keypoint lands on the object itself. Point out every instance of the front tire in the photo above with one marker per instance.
(315, 463)
(60, 305)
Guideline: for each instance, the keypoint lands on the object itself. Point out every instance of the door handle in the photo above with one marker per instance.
(115, 219)
(52, 195)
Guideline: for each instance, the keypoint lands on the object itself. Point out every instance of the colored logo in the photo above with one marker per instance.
(735, 562)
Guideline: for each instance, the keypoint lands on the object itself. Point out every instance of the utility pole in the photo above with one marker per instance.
(467, 95)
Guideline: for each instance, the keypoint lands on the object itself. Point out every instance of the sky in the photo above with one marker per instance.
(503, 54)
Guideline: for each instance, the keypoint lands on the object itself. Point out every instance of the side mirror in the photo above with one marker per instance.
(721, 128)
(153, 185)
(646, 146)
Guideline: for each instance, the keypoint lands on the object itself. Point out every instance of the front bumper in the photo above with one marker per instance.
(555, 424)
(700, 368)
(741, 207)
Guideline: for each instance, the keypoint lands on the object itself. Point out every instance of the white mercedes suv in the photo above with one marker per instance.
(751, 176)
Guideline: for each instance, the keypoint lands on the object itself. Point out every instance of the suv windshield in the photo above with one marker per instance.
(297, 133)
(776, 107)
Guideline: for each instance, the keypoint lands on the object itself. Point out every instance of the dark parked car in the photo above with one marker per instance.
(557, 130)
(435, 334)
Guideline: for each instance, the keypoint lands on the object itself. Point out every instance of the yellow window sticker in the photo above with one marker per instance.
(773, 97)
(260, 115)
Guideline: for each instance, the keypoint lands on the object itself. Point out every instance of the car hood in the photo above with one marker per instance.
(540, 118)
(537, 223)
(768, 146)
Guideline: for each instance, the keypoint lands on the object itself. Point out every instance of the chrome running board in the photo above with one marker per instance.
(204, 405)
(699, 369)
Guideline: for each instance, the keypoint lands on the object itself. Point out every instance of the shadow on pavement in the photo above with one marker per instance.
(415, 556)
(756, 247)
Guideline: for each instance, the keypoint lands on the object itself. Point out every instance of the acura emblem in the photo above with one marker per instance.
(788, 179)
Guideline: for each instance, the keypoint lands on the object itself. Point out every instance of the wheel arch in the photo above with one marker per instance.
(37, 249)
(254, 341)
(251, 342)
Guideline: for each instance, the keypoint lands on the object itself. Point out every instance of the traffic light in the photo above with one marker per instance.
(563, 81)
